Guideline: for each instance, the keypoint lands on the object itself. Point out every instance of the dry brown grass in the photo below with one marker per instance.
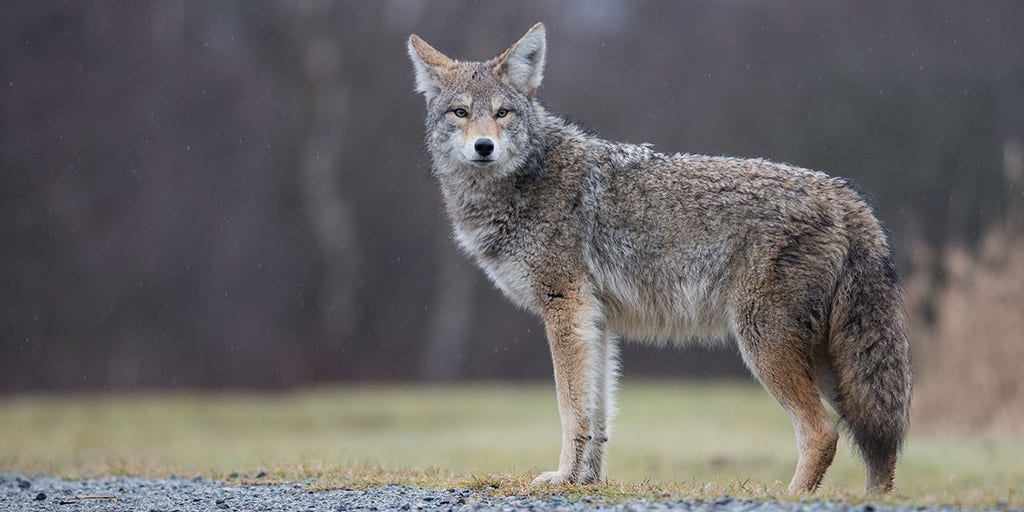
(970, 360)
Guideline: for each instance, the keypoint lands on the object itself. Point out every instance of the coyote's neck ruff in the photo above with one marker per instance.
(604, 239)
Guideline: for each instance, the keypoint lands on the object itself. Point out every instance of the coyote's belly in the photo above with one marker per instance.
(668, 299)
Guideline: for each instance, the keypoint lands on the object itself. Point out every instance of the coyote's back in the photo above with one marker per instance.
(605, 239)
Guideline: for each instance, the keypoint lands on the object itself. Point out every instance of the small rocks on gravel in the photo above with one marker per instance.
(202, 494)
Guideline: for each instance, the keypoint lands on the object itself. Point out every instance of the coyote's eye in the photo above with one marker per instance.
(502, 112)
(460, 112)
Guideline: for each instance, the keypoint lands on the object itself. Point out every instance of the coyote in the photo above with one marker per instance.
(606, 239)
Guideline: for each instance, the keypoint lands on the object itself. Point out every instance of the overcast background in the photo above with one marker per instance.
(235, 194)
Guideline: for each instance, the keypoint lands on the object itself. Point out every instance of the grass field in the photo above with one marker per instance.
(669, 437)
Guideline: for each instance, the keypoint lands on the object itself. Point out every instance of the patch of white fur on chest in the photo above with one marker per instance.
(509, 274)
(469, 240)
(512, 277)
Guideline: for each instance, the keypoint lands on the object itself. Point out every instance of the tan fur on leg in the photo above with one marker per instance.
(786, 373)
(572, 323)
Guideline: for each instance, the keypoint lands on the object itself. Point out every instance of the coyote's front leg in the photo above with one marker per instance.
(572, 320)
(600, 405)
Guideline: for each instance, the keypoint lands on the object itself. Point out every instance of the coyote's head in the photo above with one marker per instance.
(480, 115)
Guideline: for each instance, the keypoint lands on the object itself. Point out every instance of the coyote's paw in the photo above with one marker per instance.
(551, 479)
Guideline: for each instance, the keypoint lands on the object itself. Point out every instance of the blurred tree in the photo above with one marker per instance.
(235, 193)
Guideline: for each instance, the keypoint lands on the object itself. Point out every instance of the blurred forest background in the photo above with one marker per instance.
(235, 194)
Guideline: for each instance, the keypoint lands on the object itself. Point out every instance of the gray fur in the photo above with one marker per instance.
(605, 239)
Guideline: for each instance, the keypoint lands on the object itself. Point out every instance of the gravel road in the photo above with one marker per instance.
(21, 493)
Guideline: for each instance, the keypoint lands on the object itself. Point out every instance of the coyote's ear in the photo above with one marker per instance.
(429, 65)
(523, 63)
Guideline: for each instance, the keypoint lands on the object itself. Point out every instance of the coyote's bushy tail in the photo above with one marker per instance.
(871, 355)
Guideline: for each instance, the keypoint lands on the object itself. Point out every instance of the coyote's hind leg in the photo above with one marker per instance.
(782, 362)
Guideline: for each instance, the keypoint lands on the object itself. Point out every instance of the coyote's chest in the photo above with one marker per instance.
(493, 254)
(512, 277)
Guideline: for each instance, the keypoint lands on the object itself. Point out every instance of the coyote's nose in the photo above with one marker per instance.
(484, 147)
